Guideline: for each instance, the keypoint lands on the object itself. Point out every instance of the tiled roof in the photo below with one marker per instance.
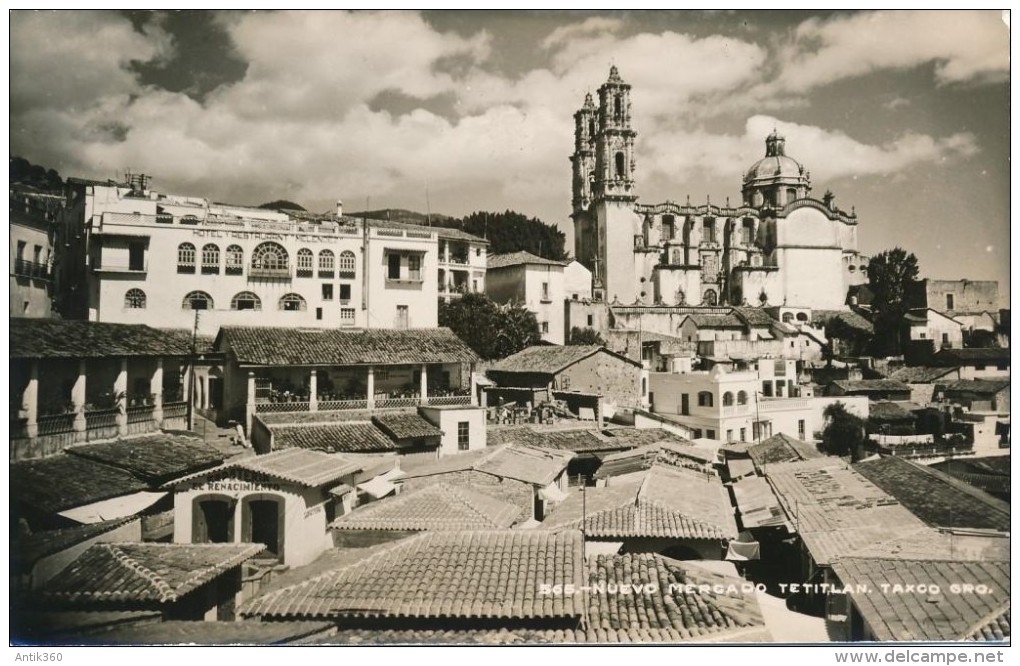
(969, 355)
(578, 440)
(921, 374)
(519, 258)
(929, 543)
(990, 474)
(438, 507)
(848, 317)
(532, 465)
(980, 386)
(353, 437)
(884, 410)
(663, 453)
(756, 503)
(64, 481)
(177, 632)
(154, 458)
(475, 574)
(781, 448)
(871, 385)
(58, 627)
(31, 548)
(934, 496)
(143, 572)
(299, 466)
(716, 320)
(643, 436)
(55, 338)
(312, 347)
(757, 317)
(204, 344)
(895, 612)
(406, 426)
(551, 359)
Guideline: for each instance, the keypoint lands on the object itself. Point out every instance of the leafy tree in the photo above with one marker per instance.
(493, 331)
(512, 232)
(585, 336)
(844, 432)
(890, 274)
(282, 204)
(979, 337)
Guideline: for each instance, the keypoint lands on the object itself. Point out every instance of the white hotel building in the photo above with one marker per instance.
(137, 256)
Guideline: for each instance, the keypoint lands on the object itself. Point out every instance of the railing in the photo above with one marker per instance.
(460, 261)
(55, 424)
(234, 270)
(736, 410)
(392, 233)
(185, 268)
(210, 269)
(272, 273)
(450, 400)
(120, 267)
(326, 274)
(345, 275)
(139, 414)
(273, 407)
(305, 272)
(340, 405)
(175, 410)
(31, 269)
(419, 234)
(388, 403)
(782, 404)
(101, 418)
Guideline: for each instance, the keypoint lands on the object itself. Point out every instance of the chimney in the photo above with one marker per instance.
(339, 208)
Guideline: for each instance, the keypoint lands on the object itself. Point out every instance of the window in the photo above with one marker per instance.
(545, 291)
(327, 263)
(185, 258)
(210, 259)
(621, 164)
(685, 405)
(727, 399)
(697, 433)
(235, 260)
(668, 228)
(743, 434)
(414, 267)
(791, 194)
(474, 286)
(304, 262)
(729, 435)
(393, 267)
(403, 319)
(708, 231)
(327, 292)
(346, 265)
(801, 429)
(949, 302)
(644, 386)
(293, 303)
(704, 399)
(747, 232)
(136, 256)
(591, 319)
(545, 327)
(197, 300)
(318, 313)
(945, 338)
(347, 316)
(21, 250)
(463, 435)
(134, 299)
(270, 257)
(710, 433)
(710, 297)
(741, 397)
(245, 300)
(923, 335)
(345, 293)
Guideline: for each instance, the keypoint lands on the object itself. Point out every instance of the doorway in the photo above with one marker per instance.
(261, 521)
(213, 521)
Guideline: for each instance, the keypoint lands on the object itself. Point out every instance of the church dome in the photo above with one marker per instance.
(776, 165)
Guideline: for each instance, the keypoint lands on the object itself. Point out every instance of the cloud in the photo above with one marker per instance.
(963, 45)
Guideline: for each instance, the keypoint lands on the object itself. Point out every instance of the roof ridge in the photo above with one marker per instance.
(165, 591)
(457, 492)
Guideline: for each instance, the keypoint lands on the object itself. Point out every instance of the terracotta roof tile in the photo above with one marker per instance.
(545, 359)
(63, 481)
(316, 347)
(921, 374)
(497, 261)
(529, 464)
(781, 448)
(440, 575)
(31, 548)
(980, 386)
(664, 453)
(359, 437)
(438, 507)
(406, 426)
(300, 466)
(970, 355)
(155, 458)
(142, 572)
(578, 440)
(868, 385)
(54, 338)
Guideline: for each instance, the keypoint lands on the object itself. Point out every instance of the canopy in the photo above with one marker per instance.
(116, 507)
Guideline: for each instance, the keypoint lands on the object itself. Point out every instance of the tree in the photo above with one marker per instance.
(512, 232)
(493, 331)
(585, 336)
(844, 432)
(281, 204)
(890, 275)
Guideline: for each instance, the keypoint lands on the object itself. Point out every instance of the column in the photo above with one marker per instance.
(156, 387)
(249, 405)
(205, 391)
(30, 400)
(78, 398)
(599, 411)
(424, 384)
(120, 385)
(474, 387)
(371, 387)
(313, 391)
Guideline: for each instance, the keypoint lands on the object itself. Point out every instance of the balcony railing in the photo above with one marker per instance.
(175, 410)
(101, 418)
(341, 405)
(139, 414)
(31, 269)
(55, 424)
(389, 403)
(276, 407)
(270, 273)
(443, 400)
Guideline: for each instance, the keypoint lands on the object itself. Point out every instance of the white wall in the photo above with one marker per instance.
(447, 420)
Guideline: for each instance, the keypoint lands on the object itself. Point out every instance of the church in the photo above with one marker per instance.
(779, 247)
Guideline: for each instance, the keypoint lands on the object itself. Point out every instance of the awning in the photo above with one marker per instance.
(340, 490)
(743, 548)
(552, 493)
(378, 487)
(117, 507)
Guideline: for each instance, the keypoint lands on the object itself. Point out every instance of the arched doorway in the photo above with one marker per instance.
(212, 519)
(262, 522)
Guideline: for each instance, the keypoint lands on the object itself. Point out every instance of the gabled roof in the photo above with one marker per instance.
(979, 386)
(578, 440)
(970, 355)
(439, 507)
(729, 320)
(921, 374)
(871, 385)
(406, 426)
(55, 338)
(302, 467)
(664, 453)
(63, 481)
(781, 448)
(154, 458)
(756, 317)
(442, 575)
(895, 612)
(143, 572)
(351, 437)
(31, 548)
(551, 359)
(268, 346)
(934, 496)
(497, 261)
(848, 317)
(529, 464)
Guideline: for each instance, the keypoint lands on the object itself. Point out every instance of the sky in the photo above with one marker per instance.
(903, 115)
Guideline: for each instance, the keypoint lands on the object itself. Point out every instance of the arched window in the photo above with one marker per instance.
(621, 163)
(346, 265)
(741, 397)
(727, 399)
(292, 303)
(210, 259)
(245, 300)
(705, 399)
(270, 258)
(134, 299)
(185, 258)
(681, 298)
(305, 259)
(327, 264)
(787, 317)
(791, 194)
(801, 316)
(235, 260)
(197, 300)
(591, 129)
(618, 107)
(711, 298)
